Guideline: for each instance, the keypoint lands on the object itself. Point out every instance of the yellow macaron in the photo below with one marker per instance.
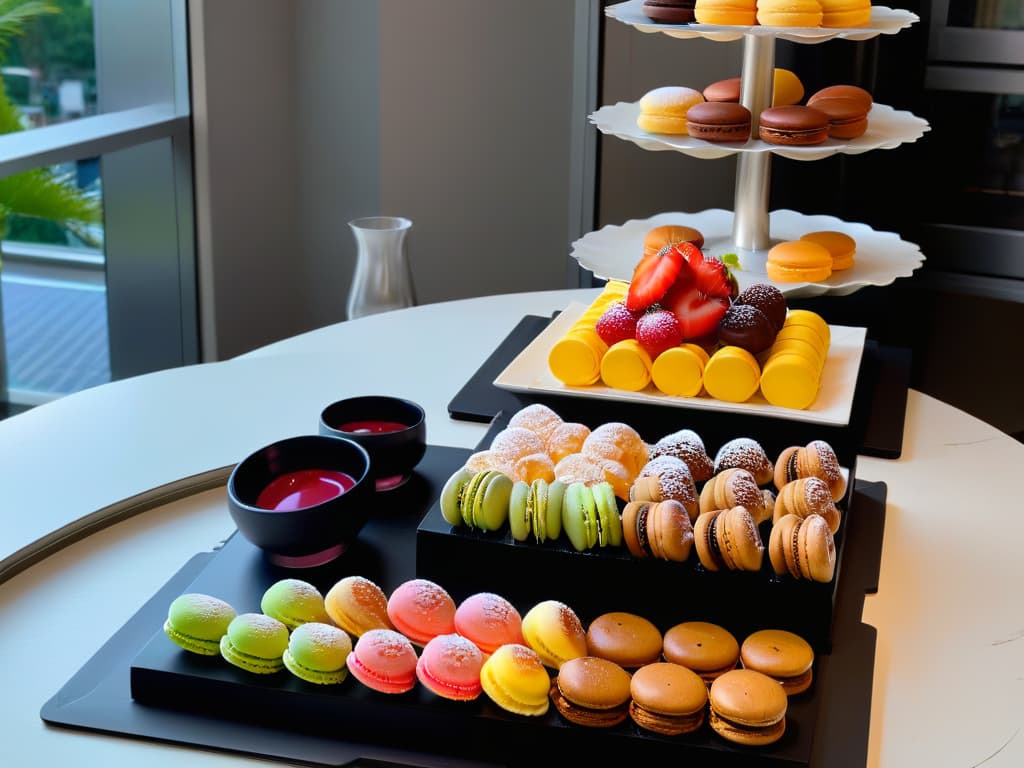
(575, 359)
(663, 110)
(790, 381)
(797, 346)
(789, 13)
(515, 679)
(732, 374)
(786, 88)
(742, 13)
(845, 13)
(626, 365)
(679, 371)
(806, 334)
(839, 244)
(811, 320)
(798, 261)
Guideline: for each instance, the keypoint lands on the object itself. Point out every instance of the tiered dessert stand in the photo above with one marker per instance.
(750, 230)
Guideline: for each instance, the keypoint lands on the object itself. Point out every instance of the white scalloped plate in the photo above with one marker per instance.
(884, 21)
(614, 250)
(529, 372)
(887, 129)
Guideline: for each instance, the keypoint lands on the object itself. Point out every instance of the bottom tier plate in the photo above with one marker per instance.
(613, 251)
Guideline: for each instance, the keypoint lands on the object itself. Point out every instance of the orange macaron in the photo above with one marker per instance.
(840, 245)
(798, 261)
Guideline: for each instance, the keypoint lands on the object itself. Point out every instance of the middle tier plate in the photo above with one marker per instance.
(529, 372)
(887, 129)
(613, 251)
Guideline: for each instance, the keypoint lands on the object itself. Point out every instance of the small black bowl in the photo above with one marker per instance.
(309, 528)
(392, 431)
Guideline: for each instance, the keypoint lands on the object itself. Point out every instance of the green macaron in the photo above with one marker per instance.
(468, 496)
(490, 502)
(197, 622)
(255, 643)
(518, 510)
(556, 491)
(538, 509)
(316, 653)
(451, 495)
(579, 516)
(609, 532)
(293, 602)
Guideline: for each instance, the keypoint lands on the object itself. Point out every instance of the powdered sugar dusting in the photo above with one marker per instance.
(386, 643)
(513, 442)
(537, 418)
(205, 607)
(688, 446)
(674, 478)
(745, 453)
(568, 620)
(427, 596)
(817, 493)
(827, 459)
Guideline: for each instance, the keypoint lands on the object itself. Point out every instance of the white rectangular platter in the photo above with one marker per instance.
(529, 372)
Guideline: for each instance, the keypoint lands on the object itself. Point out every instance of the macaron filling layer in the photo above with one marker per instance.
(725, 726)
(659, 722)
(379, 681)
(191, 643)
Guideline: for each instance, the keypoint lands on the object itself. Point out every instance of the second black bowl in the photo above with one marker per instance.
(392, 430)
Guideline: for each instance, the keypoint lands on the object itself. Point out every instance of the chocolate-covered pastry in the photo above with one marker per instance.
(768, 299)
(746, 326)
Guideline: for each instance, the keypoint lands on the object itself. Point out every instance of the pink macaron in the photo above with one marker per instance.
(384, 661)
(490, 621)
(421, 610)
(450, 667)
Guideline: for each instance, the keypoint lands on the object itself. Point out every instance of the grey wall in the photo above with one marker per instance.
(308, 113)
(634, 183)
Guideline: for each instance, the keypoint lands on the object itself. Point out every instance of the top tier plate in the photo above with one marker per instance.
(884, 21)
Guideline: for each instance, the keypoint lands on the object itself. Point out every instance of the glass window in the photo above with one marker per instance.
(97, 278)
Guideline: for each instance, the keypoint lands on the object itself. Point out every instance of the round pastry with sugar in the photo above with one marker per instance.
(688, 446)
(745, 453)
(663, 478)
(538, 418)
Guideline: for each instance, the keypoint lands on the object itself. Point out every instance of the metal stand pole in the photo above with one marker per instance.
(753, 169)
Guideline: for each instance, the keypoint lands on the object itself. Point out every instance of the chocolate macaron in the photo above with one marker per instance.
(783, 656)
(728, 539)
(793, 126)
(802, 547)
(629, 640)
(718, 121)
(842, 92)
(708, 649)
(847, 118)
(592, 692)
(747, 707)
(667, 699)
(669, 11)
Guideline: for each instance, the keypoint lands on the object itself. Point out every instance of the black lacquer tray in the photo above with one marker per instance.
(204, 702)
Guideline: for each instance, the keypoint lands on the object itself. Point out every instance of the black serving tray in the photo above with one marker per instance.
(876, 419)
(140, 684)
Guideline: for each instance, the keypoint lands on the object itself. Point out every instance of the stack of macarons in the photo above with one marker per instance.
(791, 375)
(575, 359)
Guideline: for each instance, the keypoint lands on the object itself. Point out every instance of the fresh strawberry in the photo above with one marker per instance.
(653, 276)
(616, 323)
(714, 278)
(697, 312)
(657, 331)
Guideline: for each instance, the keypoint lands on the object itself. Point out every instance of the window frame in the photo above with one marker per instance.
(142, 135)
